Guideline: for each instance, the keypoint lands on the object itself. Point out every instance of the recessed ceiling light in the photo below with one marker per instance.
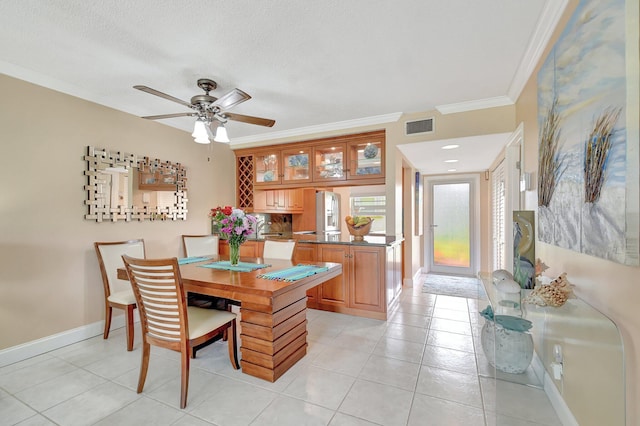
(451, 170)
(450, 161)
(451, 146)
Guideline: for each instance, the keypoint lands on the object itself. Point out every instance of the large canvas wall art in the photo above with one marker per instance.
(588, 138)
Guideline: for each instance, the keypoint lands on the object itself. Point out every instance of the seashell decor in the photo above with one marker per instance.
(554, 294)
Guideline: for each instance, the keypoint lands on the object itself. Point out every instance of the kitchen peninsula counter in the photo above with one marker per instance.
(371, 279)
(342, 238)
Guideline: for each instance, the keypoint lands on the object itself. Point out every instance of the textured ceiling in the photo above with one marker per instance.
(304, 63)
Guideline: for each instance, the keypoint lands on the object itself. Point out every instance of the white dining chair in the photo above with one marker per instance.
(168, 322)
(117, 293)
(278, 249)
(200, 245)
(204, 245)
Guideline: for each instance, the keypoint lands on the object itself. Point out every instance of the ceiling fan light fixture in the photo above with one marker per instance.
(200, 133)
(207, 108)
(221, 134)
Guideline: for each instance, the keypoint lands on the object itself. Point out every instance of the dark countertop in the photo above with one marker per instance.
(342, 238)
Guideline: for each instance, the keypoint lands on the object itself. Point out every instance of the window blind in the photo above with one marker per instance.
(498, 215)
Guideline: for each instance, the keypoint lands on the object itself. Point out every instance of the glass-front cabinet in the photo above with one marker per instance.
(282, 166)
(266, 166)
(361, 158)
(330, 162)
(366, 158)
(296, 165)
(342, 160)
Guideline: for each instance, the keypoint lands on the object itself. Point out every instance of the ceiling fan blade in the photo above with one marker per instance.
(249, 119)
(231, 99)
(178, 114)
(162, 95)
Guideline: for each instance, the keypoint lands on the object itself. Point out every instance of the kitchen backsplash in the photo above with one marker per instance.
(273, 222)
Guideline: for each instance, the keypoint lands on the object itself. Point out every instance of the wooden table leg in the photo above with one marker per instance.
(272, 342)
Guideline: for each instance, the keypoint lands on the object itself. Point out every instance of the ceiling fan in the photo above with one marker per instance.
(208, 109)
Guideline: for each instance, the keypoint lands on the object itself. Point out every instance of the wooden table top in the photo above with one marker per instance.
(246, 286)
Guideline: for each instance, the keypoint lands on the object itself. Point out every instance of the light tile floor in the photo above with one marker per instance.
(424, 366)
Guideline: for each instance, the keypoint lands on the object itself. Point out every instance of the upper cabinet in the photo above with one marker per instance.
(296, 165)
(366, 158)
(282, 166)
(278, 201)
(342, 160)
(360, 157)
(330, 162)
(267, 166)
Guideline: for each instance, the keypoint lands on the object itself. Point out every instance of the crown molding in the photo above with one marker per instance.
(303, 131)
(547, 23)
(473, 105)
(39, 79)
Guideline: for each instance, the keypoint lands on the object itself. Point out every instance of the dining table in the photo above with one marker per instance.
(273, 305)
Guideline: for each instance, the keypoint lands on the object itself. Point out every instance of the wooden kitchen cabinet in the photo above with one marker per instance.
(360, 158)
(357, 159)
(366, 158)
(334, 293)
(330, 162)
(282, 165)
(367, 278)
(370, 283)
(267, 167)
(247, 249)
(294, 200)
(296, 165)
(278, 201)
(244, 182)
(305, 252)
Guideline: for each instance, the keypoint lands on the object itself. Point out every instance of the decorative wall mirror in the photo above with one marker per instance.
(121, 186)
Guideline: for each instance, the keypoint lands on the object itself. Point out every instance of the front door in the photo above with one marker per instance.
(452, 239)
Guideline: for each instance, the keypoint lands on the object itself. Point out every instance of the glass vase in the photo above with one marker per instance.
(234, 253)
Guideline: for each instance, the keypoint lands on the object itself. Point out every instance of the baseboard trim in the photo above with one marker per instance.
(538, 367)
(416, 276)
(56, 341)
(555, 397)
(408, 282)
(558, 403)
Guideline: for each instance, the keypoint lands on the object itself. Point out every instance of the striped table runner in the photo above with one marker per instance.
(294, 273)
(240, 267)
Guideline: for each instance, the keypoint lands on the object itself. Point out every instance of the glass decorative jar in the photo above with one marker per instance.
(509, 298)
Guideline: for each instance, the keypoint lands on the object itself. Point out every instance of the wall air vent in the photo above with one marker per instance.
(419, 126)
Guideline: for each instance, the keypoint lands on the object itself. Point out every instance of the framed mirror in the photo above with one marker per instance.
(121, 186)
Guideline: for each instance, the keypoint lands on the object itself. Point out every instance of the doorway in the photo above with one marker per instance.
(452, 212)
